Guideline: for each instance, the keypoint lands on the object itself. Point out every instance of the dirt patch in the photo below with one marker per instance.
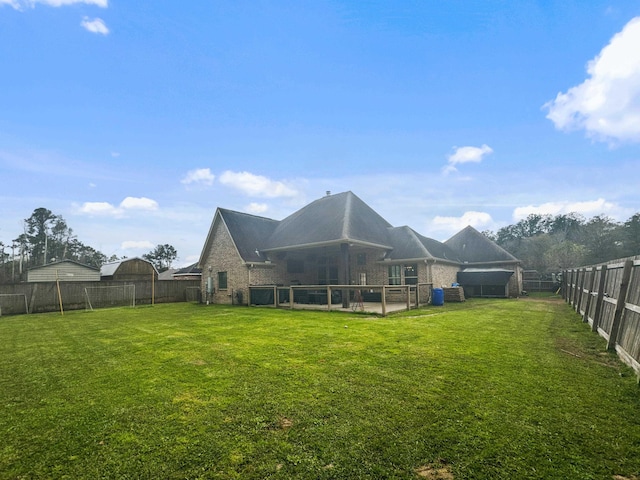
(285, 423)
(435, 471)
(620, 477)
(279, 424)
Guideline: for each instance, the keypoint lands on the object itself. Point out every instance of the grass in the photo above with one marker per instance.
(482, 390)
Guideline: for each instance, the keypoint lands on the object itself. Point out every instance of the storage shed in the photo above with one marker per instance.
(485, 282)
(65, 271)
(486, 266)
(129, 270)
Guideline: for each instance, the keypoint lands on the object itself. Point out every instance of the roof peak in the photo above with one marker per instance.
(228, 210)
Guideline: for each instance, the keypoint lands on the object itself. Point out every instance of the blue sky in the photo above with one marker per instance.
(135, 120)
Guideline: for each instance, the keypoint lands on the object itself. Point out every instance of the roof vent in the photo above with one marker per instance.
(328, 193)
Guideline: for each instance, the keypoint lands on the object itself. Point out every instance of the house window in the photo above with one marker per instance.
(295, 266)
(363, 278)
(361, 259)
(395, 277)
(411, 274)
(222, 280)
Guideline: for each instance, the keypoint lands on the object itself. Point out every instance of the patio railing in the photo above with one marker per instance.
(377, 298)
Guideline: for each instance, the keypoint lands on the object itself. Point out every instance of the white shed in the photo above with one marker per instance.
(65, 271)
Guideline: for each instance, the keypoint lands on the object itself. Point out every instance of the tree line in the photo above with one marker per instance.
(550, 244)
(47, 238)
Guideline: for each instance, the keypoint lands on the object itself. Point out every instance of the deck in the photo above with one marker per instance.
(373, 299)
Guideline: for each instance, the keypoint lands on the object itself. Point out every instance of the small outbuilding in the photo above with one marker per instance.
(485, 282)
(129, 270)
(487, 269)
(64, 271)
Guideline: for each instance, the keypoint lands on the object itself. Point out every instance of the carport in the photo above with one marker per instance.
(485, 282)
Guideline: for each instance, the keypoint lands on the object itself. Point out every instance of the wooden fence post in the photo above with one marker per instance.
(384, 301)
(583, 278)
(575, 290)
(587, 307)
(599, 298)
(571, 288)
(620, 305)
(408, 289)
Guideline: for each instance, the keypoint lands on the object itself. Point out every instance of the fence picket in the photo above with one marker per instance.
(616, 315)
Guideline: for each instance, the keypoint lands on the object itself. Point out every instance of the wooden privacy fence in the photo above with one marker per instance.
(45, 296)
(608, 298)
(539, 285)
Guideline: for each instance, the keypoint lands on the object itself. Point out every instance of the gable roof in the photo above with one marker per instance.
(331, 220)
(65, 261)
(345, 218)
(192, 269)
(409, 244)
(473, 247)
(247, 231)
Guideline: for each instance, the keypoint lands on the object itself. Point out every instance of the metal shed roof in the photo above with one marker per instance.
(484, 276)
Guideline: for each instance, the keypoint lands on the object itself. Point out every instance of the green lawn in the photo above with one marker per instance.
(489, 389)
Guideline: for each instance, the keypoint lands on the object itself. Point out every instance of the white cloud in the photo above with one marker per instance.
(98, 208)
(96, 25)
(479, 220)
(256, 185)
(199, 175)
(256, 208)
(136, 245)
(22, 4)
(138, 203)
(466, 155)
(587, 208)
(607, 104)
(110, 210)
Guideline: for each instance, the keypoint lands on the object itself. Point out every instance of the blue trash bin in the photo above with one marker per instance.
(438, 297)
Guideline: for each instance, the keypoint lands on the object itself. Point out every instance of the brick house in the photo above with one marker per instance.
(338, 240)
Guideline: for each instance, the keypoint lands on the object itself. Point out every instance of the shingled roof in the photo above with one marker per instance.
(409, 244)
(248, 232)
(331, 220)
(473, 247)
(344, 218)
